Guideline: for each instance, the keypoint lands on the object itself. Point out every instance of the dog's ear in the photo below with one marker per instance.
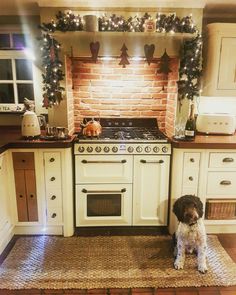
(178, 209)
(199, 206)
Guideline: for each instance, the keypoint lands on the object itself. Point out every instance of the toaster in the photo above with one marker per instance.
(216, 123)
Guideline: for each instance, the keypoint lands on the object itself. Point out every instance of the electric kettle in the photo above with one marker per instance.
(30, 125)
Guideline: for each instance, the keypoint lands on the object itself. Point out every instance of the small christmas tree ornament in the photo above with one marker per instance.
(124, 56)
(149, 51)
(94, 48)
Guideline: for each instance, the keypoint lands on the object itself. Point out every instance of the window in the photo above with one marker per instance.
(16, 72)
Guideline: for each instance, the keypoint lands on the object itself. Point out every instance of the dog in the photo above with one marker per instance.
(191, 234)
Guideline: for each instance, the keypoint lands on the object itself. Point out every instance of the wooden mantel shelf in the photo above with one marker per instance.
(207, 142)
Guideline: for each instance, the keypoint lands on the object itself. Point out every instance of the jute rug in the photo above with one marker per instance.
(109, 262)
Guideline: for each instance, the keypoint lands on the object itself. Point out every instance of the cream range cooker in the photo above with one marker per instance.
(122, 176)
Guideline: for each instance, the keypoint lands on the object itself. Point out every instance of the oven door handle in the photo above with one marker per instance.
(84, 190)
(156, 162)
(88, 162)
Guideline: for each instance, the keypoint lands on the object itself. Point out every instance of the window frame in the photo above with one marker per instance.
(14, 55)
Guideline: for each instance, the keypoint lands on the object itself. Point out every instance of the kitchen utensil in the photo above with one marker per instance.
(62, 132)
(31, 123)
(92, 128)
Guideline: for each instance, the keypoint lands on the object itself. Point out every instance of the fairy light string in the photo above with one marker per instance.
(190, 56)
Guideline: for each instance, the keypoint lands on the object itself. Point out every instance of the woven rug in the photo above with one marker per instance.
(109, 262)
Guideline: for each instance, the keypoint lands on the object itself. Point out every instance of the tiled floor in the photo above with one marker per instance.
(227, 240)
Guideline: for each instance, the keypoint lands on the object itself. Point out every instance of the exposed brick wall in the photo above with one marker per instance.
(105, 89)
(69, 95)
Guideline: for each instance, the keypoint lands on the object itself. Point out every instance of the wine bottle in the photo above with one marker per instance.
(190, 127)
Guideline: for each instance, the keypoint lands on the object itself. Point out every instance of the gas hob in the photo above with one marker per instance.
(125, 136)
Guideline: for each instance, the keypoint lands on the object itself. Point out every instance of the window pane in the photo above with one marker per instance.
(5, 69)
(5, 41)
(19, 41)
(6, 93)
(25, 90)
(23, 69)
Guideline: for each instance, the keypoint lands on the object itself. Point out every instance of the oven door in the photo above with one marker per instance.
(103, 204)
(103, 168)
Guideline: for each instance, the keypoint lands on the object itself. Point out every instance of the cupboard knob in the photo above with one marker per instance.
(52, 178)
(53, 197)
(52, 160)
(190, 178)
(31, 196)
(54, 215)
(23, 161)
(192, 160)
(21, 196)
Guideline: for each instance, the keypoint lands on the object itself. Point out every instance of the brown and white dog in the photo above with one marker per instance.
(190, 235)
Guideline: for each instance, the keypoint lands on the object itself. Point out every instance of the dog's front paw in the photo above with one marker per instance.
(202, 268)
(178, 264)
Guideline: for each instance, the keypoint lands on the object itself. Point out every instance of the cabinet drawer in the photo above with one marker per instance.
(191, 160)
(23, 160)
(190, 178)
(54, 198)
(221, 183)
(52, 161)
(54, 215)
(222, 160)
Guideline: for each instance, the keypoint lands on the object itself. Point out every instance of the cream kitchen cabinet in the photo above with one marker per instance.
(150, 190)
(53, 189)
(213, 179)
(219, 77)
(6, 224)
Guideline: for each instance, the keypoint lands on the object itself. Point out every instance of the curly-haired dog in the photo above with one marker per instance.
(190, 234)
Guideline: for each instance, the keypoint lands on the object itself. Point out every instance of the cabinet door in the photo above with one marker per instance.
(31, 195)
(151, 183)
(21, 198)
(227, 68)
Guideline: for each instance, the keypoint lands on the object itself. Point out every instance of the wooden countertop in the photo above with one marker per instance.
(10, 137)
(207, 142)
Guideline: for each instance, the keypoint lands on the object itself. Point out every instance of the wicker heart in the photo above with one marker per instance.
(149, 51)
(94, 48)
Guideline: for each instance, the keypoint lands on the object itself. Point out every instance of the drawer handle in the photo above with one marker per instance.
(53, 197)
(84, 190)
(145, 161)
(190, 178)
(52, 160)
(52, 178)
(54, 215)
(87, 162)
(228, 160)
(225, 182)
(192, 160)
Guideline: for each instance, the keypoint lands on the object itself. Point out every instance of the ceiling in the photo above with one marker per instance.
(31, 7)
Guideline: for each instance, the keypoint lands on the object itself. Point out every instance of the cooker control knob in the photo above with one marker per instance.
(115, 149)
(81, 149)
(147, 149)
(156, 149)
(89, 149)
(139, 149)
(130, 149)
(106, 149)
(98, 149)
(165, 149)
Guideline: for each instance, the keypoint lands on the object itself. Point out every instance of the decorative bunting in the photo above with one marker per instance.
(94, 48)
(124, 56)
(149, 51)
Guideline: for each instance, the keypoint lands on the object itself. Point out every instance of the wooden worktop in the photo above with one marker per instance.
(207, 142)
(10, 137)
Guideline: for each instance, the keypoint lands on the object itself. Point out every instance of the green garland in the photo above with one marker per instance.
(53, 72)
(190, 57)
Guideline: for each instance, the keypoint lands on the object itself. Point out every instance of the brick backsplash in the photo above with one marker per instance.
(105, 89)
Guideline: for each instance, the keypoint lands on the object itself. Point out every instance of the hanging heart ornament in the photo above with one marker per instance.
(94, 48)
(149, 52)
